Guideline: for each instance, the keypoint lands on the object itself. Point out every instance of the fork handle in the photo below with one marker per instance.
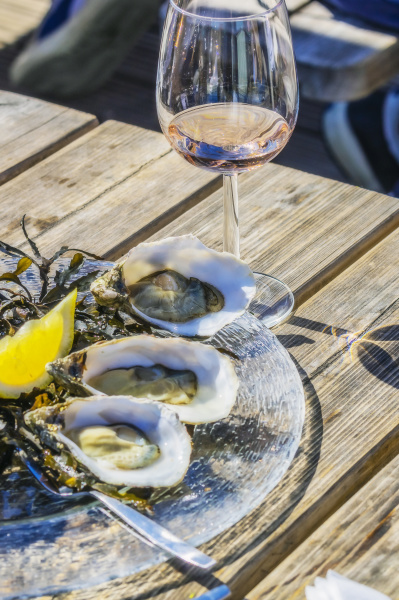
(156, 534)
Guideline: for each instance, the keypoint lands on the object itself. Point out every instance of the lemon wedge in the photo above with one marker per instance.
(23, 357)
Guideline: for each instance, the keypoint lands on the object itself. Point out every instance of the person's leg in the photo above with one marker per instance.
(80, 43)
(363, 136)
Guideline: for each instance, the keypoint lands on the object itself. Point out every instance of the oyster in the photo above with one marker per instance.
(194, 379)
(122, 441)
(180, 285)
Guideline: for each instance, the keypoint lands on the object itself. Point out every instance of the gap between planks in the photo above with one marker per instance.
(359, 541)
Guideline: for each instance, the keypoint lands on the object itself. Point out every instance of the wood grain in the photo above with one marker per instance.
(18, 17)
(360, 541)
(295, 226)
(33, 129)
(286, 215)
(306, 151)
(294, 5)
(111, 187)
(340, 59)
(351, 433)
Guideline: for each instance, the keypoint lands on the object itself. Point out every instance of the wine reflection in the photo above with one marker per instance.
(376, 348)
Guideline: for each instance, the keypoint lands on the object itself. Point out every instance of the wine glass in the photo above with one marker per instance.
(227, 101)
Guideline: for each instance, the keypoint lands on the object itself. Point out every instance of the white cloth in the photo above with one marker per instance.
(337, 587)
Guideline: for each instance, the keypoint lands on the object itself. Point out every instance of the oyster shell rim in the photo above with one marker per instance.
(217, 375)
(172, 469)
(110, 288)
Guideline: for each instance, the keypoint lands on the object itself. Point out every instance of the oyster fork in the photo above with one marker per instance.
(144, 526)
(137, 522)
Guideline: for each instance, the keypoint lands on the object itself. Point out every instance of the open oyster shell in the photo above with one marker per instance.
(199, 290)
(216, 380)
(58, 425)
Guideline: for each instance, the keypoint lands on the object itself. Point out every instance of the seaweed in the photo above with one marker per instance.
(93, 323)
(65, 470)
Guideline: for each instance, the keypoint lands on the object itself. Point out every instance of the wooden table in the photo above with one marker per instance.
(111, 186)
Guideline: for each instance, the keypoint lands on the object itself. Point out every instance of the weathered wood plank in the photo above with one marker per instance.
(18, 17)
(360, 541)
(339, 59)
(32, 129)
(116, 183)
(134, 210)
(286, 215)
(294, 5)
(351, 433)
(297, 227)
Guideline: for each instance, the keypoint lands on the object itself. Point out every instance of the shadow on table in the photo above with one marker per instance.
(282, 500)
(292, 341)
(380, 362)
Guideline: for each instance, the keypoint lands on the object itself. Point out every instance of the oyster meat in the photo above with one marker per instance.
(180, 285)
(194, 379)
(118, 446)
(155, 383)
(170, 296)
(122, 441)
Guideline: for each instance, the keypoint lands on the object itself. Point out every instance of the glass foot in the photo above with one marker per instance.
(273, 302)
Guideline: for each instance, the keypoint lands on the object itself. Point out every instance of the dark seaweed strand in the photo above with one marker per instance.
(92, 324)
(54, 458)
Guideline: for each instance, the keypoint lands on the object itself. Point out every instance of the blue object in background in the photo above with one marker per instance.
(377, 12)
(220, 593)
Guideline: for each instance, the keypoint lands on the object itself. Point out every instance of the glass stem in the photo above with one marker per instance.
(231, 232)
